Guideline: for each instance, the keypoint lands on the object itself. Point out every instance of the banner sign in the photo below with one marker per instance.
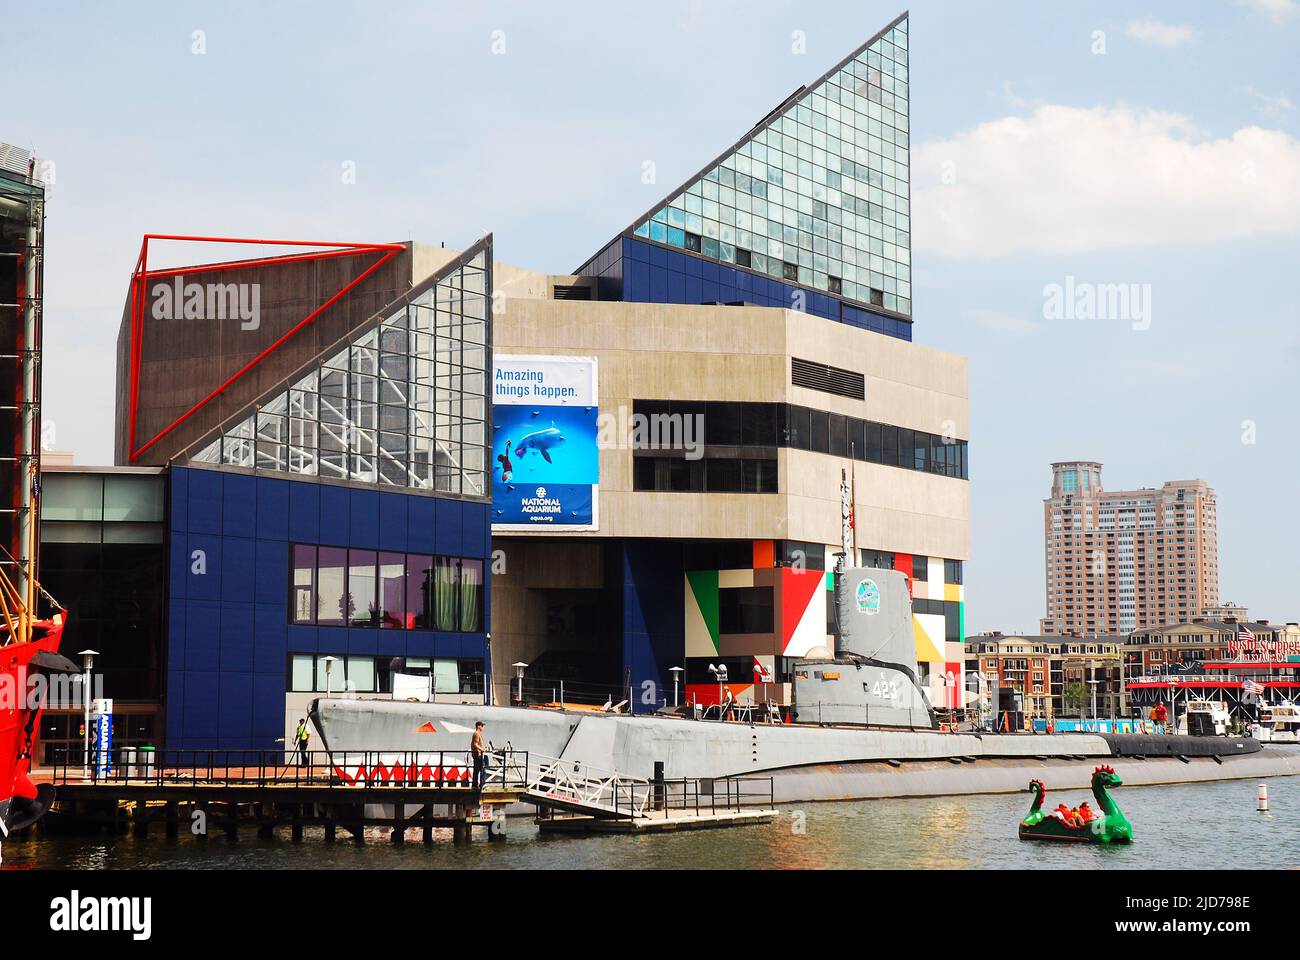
(545, 458)
(101, 719)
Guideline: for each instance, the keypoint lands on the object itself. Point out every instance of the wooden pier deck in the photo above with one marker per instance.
(206, 792)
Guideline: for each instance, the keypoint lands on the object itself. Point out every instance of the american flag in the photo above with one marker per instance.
(1250, 686)
(1244, 634)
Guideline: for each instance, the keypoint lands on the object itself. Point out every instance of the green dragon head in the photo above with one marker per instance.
(1105, 776)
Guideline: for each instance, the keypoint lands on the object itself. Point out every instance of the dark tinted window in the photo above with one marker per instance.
(819, 432)
(745, 610)
(872, 430)
(857, 439)
(758, 426)
(797, 424)
(889, 444)
(839, 444)
(722, 424)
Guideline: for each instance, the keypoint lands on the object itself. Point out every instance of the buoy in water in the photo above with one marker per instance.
(1262, 803)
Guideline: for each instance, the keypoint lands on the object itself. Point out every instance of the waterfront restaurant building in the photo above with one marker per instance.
(342, 496)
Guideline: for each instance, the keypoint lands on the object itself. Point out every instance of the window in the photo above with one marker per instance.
(403, 405)
(709, 475)
(373, 674)
(393, 591)
(748, 430)
(878, 559)
(304, 583)
(331, 574)
(820, 432)
(839, 442)
(363, 608)
(889, 444)
(952, 571)
(745, 610)
(920, 568)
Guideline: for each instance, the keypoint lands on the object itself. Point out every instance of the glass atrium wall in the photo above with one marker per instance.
(402, 405)
(820, 195)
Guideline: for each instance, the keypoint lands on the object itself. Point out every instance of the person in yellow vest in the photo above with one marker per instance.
(301, 740)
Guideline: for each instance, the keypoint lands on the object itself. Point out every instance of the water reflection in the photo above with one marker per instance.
(1212, 825)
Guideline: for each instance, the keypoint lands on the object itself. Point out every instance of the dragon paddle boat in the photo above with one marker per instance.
(1106, 825)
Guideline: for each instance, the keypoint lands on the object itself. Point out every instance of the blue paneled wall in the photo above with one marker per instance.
(654, 631)
(229, 637)
(634, 270)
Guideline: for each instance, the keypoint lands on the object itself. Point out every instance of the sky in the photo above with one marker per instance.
(1152, 144)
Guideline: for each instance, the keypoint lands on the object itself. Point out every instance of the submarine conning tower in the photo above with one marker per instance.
(874, 616)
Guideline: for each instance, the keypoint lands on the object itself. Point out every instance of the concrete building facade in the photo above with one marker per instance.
(674, 544)
(1119, 561)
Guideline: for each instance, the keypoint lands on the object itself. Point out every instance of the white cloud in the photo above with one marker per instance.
(1271, 106)
(1069, 180)
(1158, 34)
(1276, 10)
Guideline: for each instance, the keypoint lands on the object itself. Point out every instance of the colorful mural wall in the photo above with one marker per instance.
(747, 619)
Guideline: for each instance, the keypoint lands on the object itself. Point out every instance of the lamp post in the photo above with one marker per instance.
(1173, 708)
(720, 672)
(87, 661)
(677, 673)
(520, 667)
(1093, 683)
(329, 669)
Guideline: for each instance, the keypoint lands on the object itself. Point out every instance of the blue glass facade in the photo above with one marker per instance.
(653, 630)
(229, 632)
(633, 270)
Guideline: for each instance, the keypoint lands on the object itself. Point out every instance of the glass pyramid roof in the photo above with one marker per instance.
(818, 193)
(402, 404)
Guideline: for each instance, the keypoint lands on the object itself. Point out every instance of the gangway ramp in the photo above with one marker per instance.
(575, 797)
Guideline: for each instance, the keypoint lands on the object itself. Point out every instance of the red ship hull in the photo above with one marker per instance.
(21, 801)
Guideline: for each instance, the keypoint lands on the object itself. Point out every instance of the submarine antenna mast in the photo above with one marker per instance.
(846, 524)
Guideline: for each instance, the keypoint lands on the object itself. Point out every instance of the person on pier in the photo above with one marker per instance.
(479, 753)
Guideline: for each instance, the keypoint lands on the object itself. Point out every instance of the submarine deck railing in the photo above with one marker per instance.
(337, 769)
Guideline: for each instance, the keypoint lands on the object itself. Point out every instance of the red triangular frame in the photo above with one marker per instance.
(142, 275)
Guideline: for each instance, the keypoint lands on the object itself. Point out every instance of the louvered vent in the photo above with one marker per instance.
(572, 292)
(828, 379)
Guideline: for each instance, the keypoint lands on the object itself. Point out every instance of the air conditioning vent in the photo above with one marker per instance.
(572, 292)
(828, 379)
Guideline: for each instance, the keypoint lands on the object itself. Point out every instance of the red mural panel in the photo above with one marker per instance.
(797, 590)
(903, 563)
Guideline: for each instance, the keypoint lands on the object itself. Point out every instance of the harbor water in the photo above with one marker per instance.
(1213, 825)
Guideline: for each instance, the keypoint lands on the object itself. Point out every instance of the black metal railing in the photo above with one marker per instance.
(442, 769)
(692, 796)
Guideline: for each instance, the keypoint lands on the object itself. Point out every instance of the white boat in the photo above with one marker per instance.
(1277, 723)
(1205, 718)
